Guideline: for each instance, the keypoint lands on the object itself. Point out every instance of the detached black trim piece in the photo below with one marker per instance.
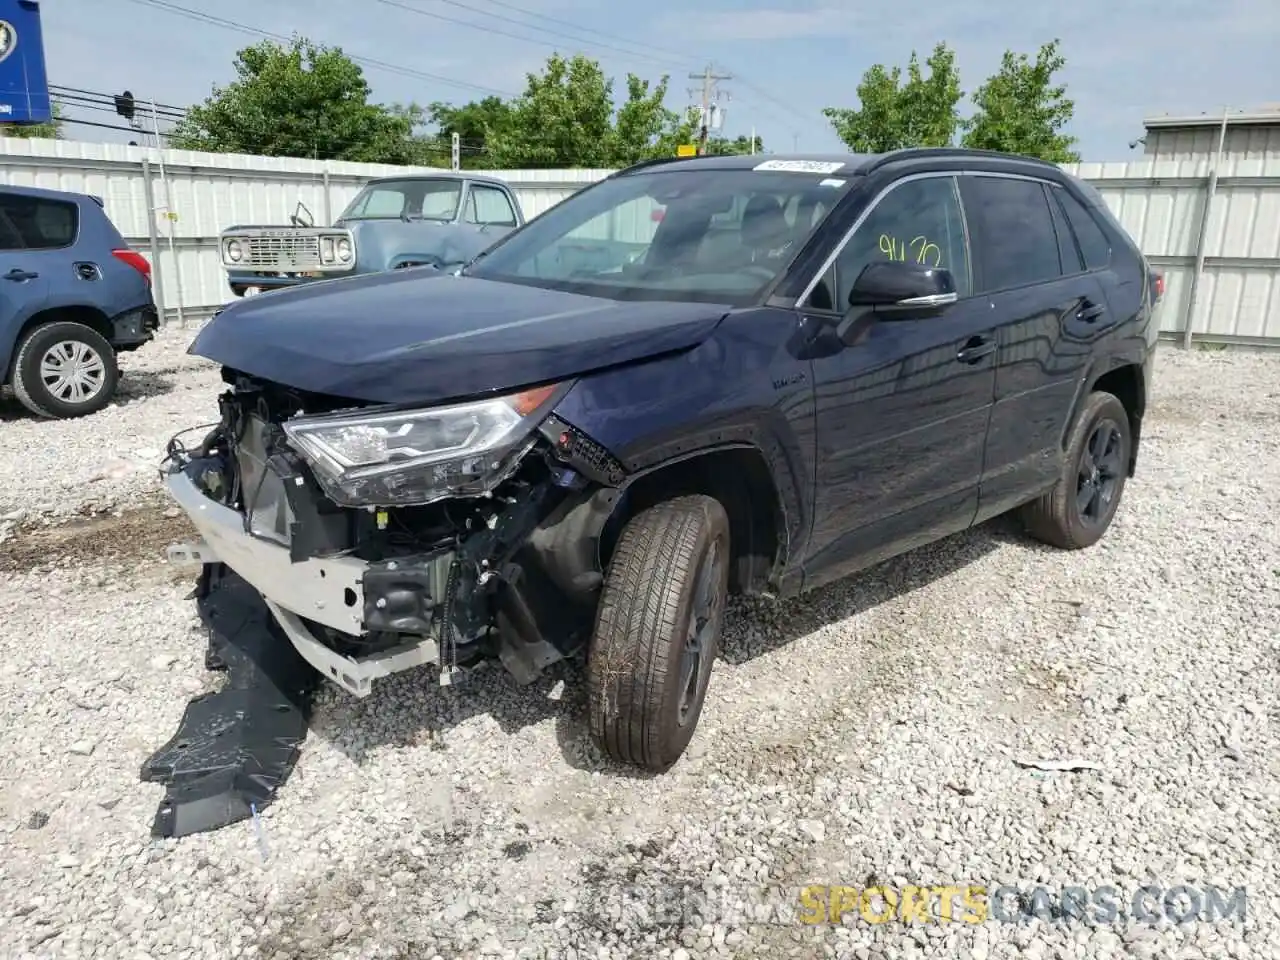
(238, 746)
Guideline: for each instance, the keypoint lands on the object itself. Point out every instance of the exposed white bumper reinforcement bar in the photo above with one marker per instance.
(327, 591)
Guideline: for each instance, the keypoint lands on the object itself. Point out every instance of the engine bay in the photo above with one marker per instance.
(510, 574)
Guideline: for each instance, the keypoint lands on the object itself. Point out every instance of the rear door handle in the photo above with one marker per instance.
(19, 274)
(1090, 312)
(975, 348)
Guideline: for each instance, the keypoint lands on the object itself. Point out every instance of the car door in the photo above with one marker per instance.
(1045, 307)
(901, 407)
(25, 266)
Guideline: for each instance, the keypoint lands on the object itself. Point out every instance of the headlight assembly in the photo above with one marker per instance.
(415, 457)
(235, 251)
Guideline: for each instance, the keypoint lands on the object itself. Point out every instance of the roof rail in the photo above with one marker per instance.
(651, 162)
(905, 153)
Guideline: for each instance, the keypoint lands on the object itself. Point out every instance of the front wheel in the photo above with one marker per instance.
(657, 631)
(64, 370)
(1080, 507)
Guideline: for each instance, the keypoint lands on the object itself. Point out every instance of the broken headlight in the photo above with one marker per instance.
(415, 457)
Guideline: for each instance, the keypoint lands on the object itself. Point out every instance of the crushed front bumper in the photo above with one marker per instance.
(329, 592)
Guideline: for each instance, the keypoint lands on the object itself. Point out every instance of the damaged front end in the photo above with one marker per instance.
(383, 539)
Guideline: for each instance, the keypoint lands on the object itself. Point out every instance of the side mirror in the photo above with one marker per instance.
(301, 216)
(903, 290)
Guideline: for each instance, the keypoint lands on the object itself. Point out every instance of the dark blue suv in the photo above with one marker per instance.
(73, 295)
(696, 377)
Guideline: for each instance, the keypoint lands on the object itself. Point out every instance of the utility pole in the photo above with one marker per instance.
(709, 95)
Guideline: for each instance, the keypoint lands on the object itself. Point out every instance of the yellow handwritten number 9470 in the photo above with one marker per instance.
(923, 250)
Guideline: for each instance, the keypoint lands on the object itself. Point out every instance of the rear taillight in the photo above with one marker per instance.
(1159, 285)
(136, 260)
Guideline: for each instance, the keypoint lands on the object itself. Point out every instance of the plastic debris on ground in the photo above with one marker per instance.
(234, 748)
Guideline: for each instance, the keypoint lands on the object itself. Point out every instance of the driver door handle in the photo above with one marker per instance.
(975, 348)
(17, 273)
(1090, 312)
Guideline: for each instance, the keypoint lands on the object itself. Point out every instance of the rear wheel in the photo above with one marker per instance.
(657, 631)
(1080, 508)
(64, 370)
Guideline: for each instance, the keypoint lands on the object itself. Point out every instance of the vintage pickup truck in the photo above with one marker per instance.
(438, 219)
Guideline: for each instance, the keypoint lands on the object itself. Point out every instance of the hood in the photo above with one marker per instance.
(421, 337)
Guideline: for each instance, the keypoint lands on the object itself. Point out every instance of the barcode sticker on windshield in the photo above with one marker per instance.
(802, 166)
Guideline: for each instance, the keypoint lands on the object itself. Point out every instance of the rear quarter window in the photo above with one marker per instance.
(37, 223)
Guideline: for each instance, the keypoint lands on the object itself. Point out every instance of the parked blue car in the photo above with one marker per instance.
(73, 295)
(441, 220)
(694, 377)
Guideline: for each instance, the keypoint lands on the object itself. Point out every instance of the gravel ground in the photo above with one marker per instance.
(868, 733)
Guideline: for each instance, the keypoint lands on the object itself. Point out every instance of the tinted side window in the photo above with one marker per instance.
(1068, 251)
(1019, 242)
(39, 224)
(918, 221)
(1093, 242)
(490, 205)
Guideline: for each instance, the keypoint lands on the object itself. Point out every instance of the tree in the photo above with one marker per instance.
(302, 100)
(563, 119)
(50, 130)
(474, 123)
(1021, 110)
(720, 147)
(644, 127)
(566, 118)
(891, 114)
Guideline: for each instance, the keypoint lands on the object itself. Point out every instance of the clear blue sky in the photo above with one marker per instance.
(1126, 58)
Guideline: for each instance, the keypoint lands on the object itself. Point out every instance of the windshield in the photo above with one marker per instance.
(715, 236)
(413, 199)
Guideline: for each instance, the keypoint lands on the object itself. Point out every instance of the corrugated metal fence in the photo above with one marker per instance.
(1217, 238)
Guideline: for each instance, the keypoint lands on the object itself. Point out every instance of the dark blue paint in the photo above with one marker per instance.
(418, 336)
(876, 442)
(24, 86)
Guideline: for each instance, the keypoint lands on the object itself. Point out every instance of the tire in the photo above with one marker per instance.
(1097, 459)
(665, 558)
(74, 342)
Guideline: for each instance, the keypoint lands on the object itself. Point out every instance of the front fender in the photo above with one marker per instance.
(740, 388)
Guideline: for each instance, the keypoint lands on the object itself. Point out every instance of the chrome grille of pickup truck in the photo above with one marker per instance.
(282, 253)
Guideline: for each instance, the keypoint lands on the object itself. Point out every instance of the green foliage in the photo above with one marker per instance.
(563, 119)
(892, 114)
(36, 131)
(720, 147)
(310, 101)
(302, 100)
(472, 122)
(1021, 109)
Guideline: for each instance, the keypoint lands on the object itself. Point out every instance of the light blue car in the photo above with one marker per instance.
(438, 219)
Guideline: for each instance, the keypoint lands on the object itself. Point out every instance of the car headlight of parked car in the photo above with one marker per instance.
(344, 250)
(235, 251)
(414, 457)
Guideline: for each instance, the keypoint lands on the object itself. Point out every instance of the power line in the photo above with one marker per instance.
(684, 57)
(485, 28)
(366, 61)
(108, 106)
(110, 97)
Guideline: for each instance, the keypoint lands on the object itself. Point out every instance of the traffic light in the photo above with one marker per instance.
(124, 105)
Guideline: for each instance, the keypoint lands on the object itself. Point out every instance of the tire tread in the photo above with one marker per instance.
(638, 612)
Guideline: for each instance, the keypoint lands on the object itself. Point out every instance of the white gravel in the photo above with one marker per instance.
(97, 463)
(867, 733)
